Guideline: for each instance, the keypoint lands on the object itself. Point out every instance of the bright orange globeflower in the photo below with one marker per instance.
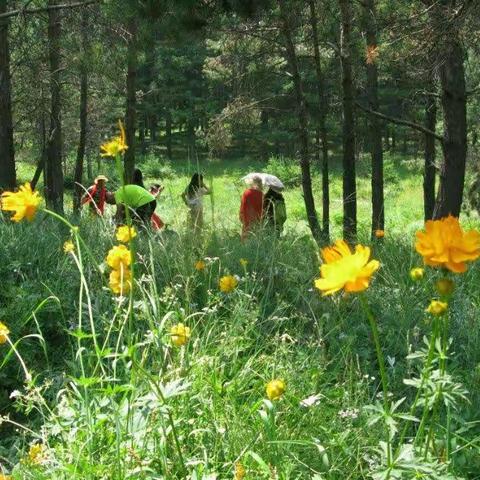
(344, 269)
(445, 244)
(379, 233)
(24, 203)
(116, 145)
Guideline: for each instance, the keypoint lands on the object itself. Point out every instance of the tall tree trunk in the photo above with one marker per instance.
(291, 57)
(454, 103)
(78, 177)
(130, 115)
(322, 129)
(349, 176)
(429, 170)
(7, 153)
(168, 133)
(53, 165)
(43, 154)
(375, 128)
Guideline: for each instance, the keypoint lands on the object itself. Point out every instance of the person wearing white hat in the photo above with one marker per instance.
(96, 195)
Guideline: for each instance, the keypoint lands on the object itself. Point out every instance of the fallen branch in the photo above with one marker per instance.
(399, 121)
(24, 11)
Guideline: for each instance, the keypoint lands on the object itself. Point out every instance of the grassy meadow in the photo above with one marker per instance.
(92, 386)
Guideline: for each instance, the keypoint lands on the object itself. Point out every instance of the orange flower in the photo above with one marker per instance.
(379, 233)
(344, 269)
(445, 244)
(372, 54)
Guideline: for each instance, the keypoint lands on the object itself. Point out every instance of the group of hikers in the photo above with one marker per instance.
(256, 209)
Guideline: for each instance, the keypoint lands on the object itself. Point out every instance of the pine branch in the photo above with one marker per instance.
(25, 11)
(399, 121)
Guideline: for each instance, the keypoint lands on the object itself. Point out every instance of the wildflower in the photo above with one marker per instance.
(239, 471)
(120, 281)
(125, 233)
(372, 54)
(4, 331)
(24, 203)
(119, 256)
(36, 454)
(200, 265)
(344, 269)
(445, 286)
(117, 145)
(180, 334)
(5, 477)
(379, 233)
(417, 273)
(437, 307)
(275, 389)
(68, 247)
(445, 244)
(228, 283)
(243, 262)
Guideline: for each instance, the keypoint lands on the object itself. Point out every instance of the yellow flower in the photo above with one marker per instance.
(24, 203)
(228, 284)
(417, 273)
(126, 233)
(119, 256)
(239, 472)
(115, 146)
(275, 389)
(68, 247)
(180, 334)
(243, 262)
(445, 244)
(445, 286)
(344, 269)
(372, 54)
(5, 477)
(437, 307)
(36, 454)
(120, 281)
(4, 331)
(200, 265)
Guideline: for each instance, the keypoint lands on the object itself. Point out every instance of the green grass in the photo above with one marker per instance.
(126, 404)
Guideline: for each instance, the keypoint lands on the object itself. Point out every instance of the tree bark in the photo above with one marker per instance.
(349, 176)
(429, 170)
(322, 129)
(43, 155)
(291, 57)
(168, 133)
(130, 115)
(78, 177)
(53, 165)
(375, 128)
(7, 154)
(454, 102)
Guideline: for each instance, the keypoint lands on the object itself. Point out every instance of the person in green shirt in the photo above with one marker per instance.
(140, 201)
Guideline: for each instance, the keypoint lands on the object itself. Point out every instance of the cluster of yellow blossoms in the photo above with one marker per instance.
(119, 259)
(4, 332)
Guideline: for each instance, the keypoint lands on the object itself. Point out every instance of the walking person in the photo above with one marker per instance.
(193, 198)
(251, 207)
(274, 210)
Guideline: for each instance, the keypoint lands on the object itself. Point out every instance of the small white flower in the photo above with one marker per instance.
(310, 401)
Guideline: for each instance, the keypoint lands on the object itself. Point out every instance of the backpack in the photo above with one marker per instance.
(280, 212)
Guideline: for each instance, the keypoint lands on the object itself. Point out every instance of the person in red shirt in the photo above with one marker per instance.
(97, 195)
(251, 207)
